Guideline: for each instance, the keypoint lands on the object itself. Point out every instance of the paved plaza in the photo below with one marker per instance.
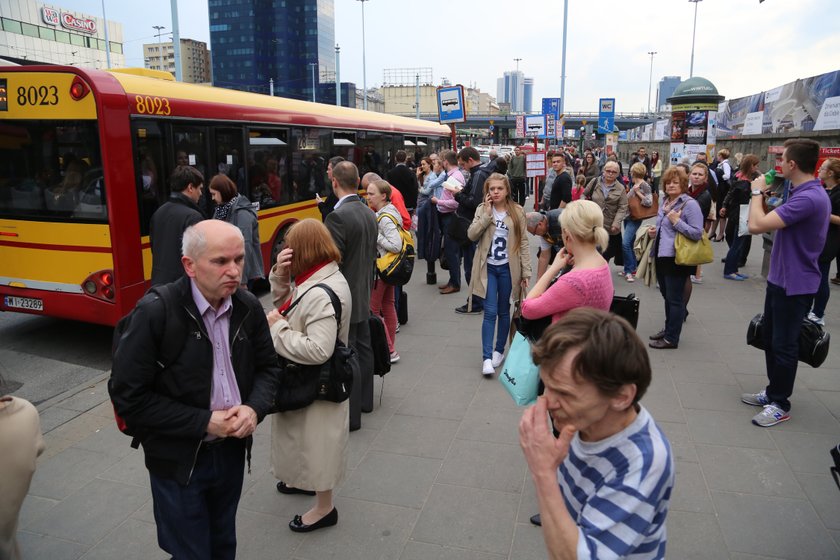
(436, 471)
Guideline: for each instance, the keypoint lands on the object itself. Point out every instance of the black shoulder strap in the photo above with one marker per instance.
(333, 298)
(170, 344)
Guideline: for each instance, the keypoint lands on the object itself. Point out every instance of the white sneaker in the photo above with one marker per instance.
(630, 277)
(497, 359)
(814, 319)
(620, 272)
(487, 369)
(395, 357)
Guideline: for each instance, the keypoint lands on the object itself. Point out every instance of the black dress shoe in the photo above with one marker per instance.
(662, 344)
(658, 336)
(536, 520)
(285, 489)
(298, 526)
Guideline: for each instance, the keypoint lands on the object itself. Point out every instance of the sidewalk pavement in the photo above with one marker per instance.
(436, 471)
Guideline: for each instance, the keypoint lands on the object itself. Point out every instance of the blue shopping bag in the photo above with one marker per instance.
(520, 377)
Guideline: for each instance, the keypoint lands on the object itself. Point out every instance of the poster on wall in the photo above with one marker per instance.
(677, 153)
(695, 131)
(753, 123)
(678, 127)
(829, 117)
(711, 134)
(611, 143)
(661, 130)
(693, 150)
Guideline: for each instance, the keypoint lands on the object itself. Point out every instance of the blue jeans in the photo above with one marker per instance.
(630, 229)
(733, 257)
(496, 310)
(672, 287)
(198, 521)
(821, 299)
(783, 316)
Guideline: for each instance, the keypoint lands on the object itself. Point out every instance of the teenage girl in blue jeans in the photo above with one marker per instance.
(642, 190)
(502, 265)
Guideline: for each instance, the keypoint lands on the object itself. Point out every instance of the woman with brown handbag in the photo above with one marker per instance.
(642, 203)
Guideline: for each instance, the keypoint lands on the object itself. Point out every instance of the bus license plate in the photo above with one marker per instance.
(25, 303)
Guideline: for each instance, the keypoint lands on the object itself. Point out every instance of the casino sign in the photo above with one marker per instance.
(68, 20)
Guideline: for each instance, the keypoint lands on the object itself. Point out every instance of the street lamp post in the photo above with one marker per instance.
(313, 65)
(160, 29)
(364, 69)
(693, 35)
(650, 81)
(337, 75)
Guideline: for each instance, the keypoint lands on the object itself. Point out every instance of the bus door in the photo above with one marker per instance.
(190, 146)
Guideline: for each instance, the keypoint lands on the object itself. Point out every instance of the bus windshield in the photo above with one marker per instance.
(51, 170)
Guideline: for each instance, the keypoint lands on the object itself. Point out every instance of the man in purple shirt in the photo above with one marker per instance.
(800, 225)
(194, 409)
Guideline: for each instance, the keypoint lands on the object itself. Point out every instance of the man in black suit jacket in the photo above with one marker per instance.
(354, 230)
(404, 180)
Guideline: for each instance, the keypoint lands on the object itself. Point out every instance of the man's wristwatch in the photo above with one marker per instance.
(756, 192)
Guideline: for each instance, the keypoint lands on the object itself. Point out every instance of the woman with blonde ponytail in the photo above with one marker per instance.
(584, 276)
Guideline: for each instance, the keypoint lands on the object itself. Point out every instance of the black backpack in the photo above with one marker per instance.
(170, 345)
(379, 345)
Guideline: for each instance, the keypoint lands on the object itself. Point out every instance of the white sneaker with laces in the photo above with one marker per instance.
(814, 319)
(497, 359)
(630, 277)
(487, 369)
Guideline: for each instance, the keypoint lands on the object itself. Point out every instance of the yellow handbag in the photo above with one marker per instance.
(693, 253)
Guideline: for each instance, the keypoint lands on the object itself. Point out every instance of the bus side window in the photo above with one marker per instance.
(227, 149)
(152, 187)
(190, 148)
(267, 167)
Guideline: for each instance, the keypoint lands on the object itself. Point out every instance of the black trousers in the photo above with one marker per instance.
(614, 250)
(361, 397)
(518, 190)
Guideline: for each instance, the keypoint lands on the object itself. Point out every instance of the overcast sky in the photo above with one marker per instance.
(742, 46)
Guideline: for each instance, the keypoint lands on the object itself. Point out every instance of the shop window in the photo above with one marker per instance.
(29, 30)
(11, 26)
(46, 33)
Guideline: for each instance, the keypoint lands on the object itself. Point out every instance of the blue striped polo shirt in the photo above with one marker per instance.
(617, 490)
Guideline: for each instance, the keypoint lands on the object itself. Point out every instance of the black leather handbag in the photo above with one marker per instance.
(626, 307)
(300, 385)
(813, 340)
(457, 230)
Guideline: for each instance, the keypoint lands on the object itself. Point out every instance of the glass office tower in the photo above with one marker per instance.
(254, 41)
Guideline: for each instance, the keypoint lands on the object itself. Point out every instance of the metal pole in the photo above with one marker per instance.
(176, 41)
(107, 41)
(650, 81)
(364, 63)
(693, 34)
(159, 33)
(271, 87)
(563, 65)
(312, 64)
(417, 96)
(337, 75)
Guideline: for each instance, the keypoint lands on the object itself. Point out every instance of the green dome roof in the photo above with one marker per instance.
(695, 89)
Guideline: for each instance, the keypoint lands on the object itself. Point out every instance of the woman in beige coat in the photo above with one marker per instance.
(502, 265)
(309, 445)
(21, 442)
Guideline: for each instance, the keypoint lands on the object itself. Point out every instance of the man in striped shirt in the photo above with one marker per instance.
(604, 484)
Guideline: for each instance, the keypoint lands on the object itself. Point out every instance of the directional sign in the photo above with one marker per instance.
(451, 105)
(550, 126)
(534, 126)
(520, 126)
(606, 115)
(551, 105)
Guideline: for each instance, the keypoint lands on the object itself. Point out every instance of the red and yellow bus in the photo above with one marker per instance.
(84, 161)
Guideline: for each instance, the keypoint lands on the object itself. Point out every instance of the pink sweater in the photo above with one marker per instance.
(591, 287)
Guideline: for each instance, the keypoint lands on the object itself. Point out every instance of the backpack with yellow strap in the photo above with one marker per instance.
(396, 268)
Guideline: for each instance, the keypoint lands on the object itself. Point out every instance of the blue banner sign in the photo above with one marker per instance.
(606, 115)
(451, 105)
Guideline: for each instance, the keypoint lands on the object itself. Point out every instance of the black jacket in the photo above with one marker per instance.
(166, 231)
(168, 405)
(473, 192)
(405, 181)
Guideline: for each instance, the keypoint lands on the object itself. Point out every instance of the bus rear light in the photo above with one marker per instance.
(100, 285)
(78, 89)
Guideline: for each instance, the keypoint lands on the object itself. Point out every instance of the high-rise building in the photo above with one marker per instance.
(32, 32)
(528, 93)
(195, 59)
(254, 41)
(665, 89)
(514, 88)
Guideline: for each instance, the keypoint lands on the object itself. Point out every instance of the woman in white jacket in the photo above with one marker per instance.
(309, 445)
(388, 241)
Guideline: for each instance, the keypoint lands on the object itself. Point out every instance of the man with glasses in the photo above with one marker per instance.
(608, 193)
(168, 223)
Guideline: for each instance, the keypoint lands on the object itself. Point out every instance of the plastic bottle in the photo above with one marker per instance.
(769, 177)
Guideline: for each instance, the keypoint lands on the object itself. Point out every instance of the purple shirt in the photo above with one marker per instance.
(797, 246)
(224, 392)
(690, 224)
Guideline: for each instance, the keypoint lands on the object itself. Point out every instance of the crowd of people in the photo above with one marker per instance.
(605, 474)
